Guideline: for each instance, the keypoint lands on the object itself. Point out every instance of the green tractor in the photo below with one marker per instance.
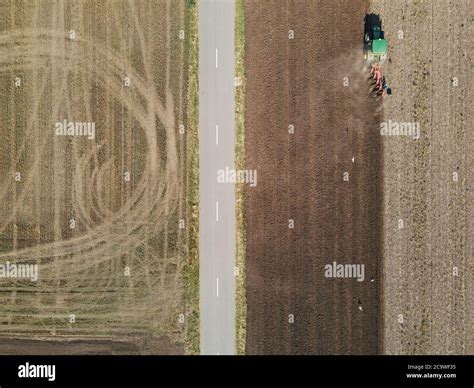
(375, 44)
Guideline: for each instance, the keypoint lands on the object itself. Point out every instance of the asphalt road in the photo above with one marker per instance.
(217, 200)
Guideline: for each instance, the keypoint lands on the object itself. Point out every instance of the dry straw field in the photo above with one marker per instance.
(104, 216)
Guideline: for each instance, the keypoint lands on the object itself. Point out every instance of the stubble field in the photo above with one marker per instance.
(103, 218)
(428, 264)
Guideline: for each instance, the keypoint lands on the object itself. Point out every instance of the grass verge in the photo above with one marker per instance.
(241, 304)
(191, 268)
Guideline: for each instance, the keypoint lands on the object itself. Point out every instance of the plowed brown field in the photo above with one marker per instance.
(300, 82)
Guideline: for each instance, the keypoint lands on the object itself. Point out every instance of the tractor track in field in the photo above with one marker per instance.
(133, 224)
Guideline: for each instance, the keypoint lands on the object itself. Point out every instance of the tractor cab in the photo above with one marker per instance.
(375, 44)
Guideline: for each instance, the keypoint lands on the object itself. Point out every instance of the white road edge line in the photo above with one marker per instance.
(217, 58)
(217, 210)
(217, 134)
